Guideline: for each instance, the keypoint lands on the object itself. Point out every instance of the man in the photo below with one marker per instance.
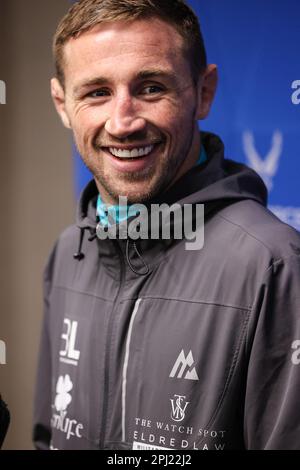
(147, 342)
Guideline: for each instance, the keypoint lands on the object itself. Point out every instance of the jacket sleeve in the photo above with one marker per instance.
(272, 411)
(42, 402)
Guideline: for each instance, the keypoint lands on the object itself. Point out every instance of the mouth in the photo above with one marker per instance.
(131, 158)
(131, 152)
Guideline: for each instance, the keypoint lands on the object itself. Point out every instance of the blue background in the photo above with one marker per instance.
(256, 46)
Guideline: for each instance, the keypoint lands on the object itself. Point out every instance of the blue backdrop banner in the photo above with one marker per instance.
(257, 108)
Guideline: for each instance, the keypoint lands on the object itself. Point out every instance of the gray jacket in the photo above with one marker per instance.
(148, 345)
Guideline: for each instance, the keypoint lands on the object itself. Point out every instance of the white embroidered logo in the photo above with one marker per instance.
(69, 354)
(182, 364)
(63, 397)
(70, 427)
(178, 407)
(268, 166)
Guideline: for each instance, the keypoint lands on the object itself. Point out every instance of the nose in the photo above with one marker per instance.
(124, 119)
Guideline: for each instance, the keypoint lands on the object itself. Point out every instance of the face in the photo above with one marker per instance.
(131, 102)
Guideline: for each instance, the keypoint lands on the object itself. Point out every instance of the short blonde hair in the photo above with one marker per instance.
(85, 14)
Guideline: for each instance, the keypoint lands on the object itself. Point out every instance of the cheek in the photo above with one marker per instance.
(176, 124)
(167, 120)
(86, 123)
(174, 116)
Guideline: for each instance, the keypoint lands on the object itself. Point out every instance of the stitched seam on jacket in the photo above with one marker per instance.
(230, 374)
(245, 231)
(77, 291)
(217, 304)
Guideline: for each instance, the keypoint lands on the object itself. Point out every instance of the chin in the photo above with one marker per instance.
(136, 197)
(133, 192)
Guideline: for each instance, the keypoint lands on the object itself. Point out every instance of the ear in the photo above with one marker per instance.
(59, 99)
(206, 90)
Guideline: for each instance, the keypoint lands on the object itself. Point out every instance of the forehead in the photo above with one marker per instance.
(139, 43)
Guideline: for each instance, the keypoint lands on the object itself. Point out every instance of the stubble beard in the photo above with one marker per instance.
(156, 184)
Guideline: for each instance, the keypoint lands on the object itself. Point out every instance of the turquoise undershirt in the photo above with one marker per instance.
(105, 212)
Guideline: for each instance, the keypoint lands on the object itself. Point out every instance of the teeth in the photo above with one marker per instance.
(134, 153)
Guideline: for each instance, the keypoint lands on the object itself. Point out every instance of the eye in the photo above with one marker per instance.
(99, 93)
(152, 90)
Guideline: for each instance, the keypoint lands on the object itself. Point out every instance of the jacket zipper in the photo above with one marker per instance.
(107, 353)
(125, 367)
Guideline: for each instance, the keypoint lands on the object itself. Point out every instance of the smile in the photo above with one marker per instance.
(133, 158)
(132, 153)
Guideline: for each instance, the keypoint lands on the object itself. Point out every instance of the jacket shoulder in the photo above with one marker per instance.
(263, 228)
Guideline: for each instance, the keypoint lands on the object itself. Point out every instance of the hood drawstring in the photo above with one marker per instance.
(93, 234)
(79, 255)
(140, 256)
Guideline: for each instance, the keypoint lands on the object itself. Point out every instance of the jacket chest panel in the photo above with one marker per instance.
(176, 366)
(169, 364)
(78, 326)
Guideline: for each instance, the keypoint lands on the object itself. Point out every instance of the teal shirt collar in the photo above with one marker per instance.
(203, 157)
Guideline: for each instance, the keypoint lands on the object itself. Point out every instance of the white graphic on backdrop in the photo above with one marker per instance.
(296, 94)
(267, 167)
(2, 352)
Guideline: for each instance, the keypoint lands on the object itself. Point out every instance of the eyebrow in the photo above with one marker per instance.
(158, 73)
(98, 81)
(142, 75)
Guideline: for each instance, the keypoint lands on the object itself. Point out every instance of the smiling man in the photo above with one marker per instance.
(130, 98)
(145, 343)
